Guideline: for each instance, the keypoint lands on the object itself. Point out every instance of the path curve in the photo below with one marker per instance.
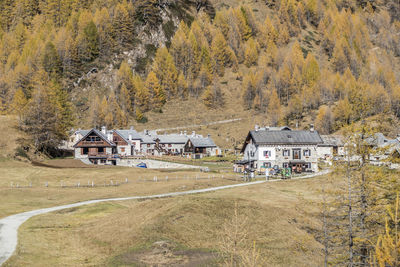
(9, 225)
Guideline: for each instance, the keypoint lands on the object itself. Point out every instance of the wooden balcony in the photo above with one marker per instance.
(93, 143)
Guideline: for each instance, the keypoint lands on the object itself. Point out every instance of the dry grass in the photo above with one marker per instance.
(9, 135)
(22, 198)
(281, 216)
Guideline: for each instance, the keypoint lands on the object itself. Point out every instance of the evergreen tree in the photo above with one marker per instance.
(251, 52)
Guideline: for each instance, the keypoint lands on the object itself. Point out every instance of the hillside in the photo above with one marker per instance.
(161, 64)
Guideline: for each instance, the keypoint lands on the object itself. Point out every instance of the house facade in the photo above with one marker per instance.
(115, 146)
(106, 147)
(332, 146)
(198, 147)
(282, 147)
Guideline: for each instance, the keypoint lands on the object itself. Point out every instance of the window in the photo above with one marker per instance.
(267, 165)
(122, 149)
(267, 154)
(169, 145)
(285, 165)
(148, 145)
(286, 152)
(297, 153)
(85, 150)
(307, 165)
(307, 152)
(100, 150)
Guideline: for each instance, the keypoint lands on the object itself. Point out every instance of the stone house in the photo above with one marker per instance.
(282, 147)
(198, 147)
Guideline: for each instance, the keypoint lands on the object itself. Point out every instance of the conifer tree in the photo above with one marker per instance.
(124, 100)
(251, 52)
(220, 54)
(142, 94)
(51, 61)
(182, 86)
(274, 109)
(311, 72)
(164, 68)
(153, 86)
(19, 103)
(103, 111)
(213, 97)
(122, 25)
(324, 120)
(95, 115)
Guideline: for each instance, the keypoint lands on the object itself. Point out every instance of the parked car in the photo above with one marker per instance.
(142, 165)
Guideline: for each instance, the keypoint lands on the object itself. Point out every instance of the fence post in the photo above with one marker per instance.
(46, 184)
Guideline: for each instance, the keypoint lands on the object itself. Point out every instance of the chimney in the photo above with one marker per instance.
(104, 130)
(109, 137)
(132, 128)
(256, 127)
(181, 133)
(193, 134)
(185, 133)
(130, 137)
(208, 135)
(312, 128)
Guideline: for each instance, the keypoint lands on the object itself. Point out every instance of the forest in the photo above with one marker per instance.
(335, 56)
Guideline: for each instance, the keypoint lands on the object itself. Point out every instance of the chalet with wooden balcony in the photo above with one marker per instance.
(106, 147)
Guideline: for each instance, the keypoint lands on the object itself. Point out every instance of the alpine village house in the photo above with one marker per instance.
(282, 147)
(112, 147)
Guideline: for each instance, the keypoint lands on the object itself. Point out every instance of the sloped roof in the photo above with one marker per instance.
(82, 132)
(125, 134)
(147, 139)
(172, 139)
(99, 133)
(331, 140)
(285, 137)
(202, 142)
(381, 141)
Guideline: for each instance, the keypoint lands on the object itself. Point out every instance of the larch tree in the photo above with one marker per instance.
(274, 109)
(165, 70)
(19, 104)
(324, 120)
(220, 54)
(153, 86)
(51, 61)
(251, 52)
(142, 94)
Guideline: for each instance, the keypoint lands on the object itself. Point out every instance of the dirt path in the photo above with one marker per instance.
(9, 225)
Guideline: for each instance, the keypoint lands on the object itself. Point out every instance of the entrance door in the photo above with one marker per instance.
(296, 153)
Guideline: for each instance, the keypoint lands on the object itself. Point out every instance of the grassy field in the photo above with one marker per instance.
(22, 186)
(282, 219)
